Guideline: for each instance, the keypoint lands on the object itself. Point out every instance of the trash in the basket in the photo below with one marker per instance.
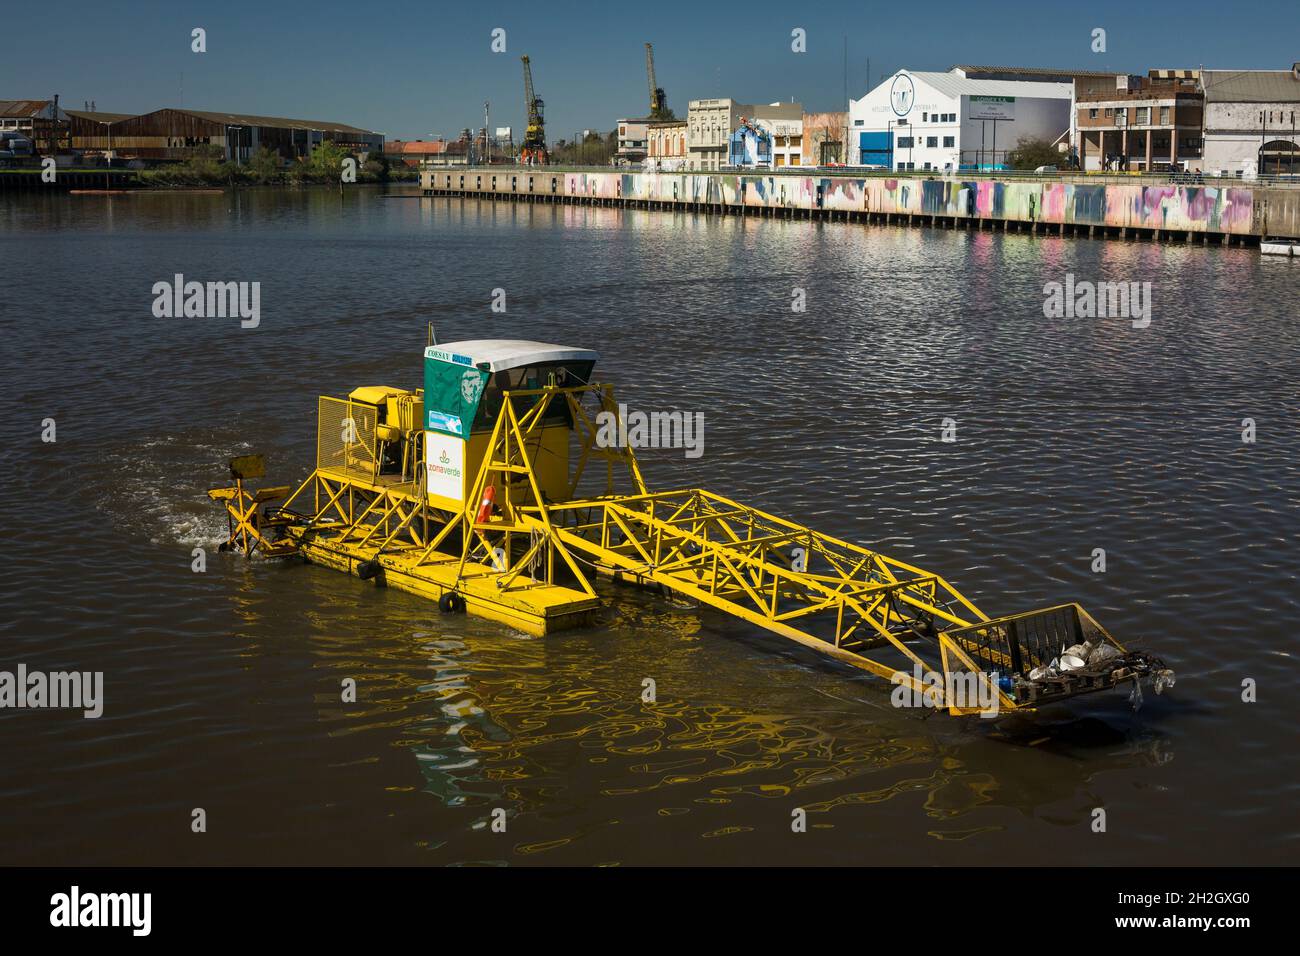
(1072, 662)
(1102, 653)
(1042, 671)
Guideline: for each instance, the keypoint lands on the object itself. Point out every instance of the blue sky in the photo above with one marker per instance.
(411, 69)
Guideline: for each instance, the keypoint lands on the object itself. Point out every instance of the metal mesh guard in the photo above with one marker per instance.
(345, 438)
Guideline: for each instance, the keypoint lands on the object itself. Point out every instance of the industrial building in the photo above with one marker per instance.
(1250, 121)
(92, 131)
(947, 121)
(181, 134)
(42, 122)
(416, 152)
(633, 141)
(1144, 123)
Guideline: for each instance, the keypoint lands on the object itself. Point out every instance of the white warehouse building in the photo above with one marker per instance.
(946, 122)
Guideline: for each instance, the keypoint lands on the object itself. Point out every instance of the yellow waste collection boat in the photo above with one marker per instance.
(488, 491)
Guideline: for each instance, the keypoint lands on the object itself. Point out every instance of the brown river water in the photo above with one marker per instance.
(221, 689)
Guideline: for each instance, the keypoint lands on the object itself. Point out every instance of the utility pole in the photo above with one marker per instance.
(487, 131)
(54, 127)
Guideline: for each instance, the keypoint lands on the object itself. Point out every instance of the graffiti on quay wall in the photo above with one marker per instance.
(1173, 207)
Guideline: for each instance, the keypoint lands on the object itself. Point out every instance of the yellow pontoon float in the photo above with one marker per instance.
(467, 492)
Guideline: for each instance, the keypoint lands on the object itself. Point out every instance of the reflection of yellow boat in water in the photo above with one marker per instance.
(468, 492)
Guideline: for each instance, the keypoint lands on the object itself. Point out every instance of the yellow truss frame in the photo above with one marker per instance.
(843, 600)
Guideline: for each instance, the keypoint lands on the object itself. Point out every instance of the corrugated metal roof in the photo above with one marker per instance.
(950, 84)
(23, 108)
(97, 117)
(1030, 71)
(415, 146)
(1250, 86)
(248, 119)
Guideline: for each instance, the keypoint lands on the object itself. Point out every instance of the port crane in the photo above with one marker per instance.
(476, 492)
(533, 152)
(658, 99)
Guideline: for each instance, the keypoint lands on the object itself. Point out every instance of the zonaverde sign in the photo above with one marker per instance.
(445, 460)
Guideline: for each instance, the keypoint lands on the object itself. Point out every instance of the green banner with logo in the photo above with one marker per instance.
(452, 389)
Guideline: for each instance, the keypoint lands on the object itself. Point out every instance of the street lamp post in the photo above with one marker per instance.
(108, 155)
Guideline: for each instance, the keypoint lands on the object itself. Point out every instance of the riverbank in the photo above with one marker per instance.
(184, 177)
(1221, 212)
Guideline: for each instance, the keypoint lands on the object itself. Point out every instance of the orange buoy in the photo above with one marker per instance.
(485, 508)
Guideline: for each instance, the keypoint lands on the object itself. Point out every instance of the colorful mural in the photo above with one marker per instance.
(1182, 208)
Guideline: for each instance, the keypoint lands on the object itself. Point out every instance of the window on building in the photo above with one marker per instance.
(925, 117)
(931, 141)
(1110, 111)
(1092, 113)
(1164, 116)
(905, 142)
(857, 122)
(950, 141)
(1143, 117)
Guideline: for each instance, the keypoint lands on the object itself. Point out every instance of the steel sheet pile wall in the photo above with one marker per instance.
(1232, 210)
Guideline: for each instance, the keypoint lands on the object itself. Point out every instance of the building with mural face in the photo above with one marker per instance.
(1252, 120)
(823, 138)
(783, 123)
(750, 147)
(1144, 123)
(946, 121)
